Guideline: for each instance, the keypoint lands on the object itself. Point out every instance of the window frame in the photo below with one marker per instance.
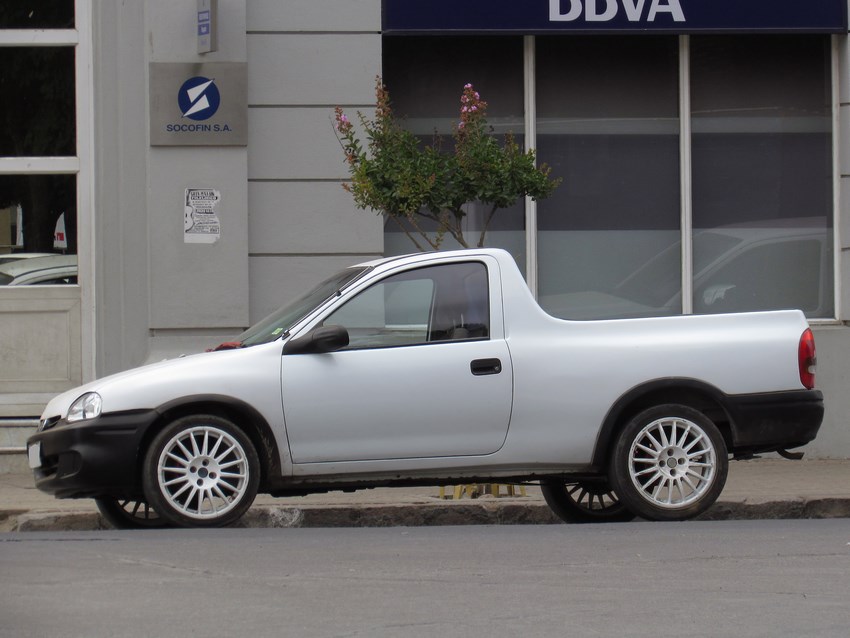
(80, 38)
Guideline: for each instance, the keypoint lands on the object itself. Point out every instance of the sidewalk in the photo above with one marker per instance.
(755, 489)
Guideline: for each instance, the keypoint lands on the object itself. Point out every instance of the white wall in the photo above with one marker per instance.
(120, 211)
(286, 222)
(304, 58)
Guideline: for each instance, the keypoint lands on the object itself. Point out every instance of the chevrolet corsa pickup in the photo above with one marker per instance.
(437, 369)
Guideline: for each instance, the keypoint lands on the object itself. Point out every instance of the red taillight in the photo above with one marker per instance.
(807, 358)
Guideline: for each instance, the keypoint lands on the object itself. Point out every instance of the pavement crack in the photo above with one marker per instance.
(171, 566)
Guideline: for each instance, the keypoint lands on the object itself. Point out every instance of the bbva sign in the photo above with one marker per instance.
(607, 10)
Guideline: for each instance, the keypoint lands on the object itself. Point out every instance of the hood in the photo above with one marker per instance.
(150, 386)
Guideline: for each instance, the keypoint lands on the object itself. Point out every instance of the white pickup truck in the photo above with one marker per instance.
(438, 369)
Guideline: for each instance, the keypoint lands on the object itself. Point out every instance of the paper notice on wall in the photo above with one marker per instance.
(200, 216)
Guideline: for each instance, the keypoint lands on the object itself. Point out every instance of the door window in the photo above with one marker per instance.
(449, 302)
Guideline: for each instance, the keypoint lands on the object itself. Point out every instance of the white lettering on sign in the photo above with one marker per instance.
(606, 10)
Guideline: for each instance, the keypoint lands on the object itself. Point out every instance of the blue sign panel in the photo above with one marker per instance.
(614, 16)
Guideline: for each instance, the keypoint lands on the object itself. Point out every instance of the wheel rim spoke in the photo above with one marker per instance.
(592, 497)
(649, 451)
(203, 472)
(672, 462)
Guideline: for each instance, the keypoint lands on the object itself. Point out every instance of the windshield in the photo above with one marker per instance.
(277, 323)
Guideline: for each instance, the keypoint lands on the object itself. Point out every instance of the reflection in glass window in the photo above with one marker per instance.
(38, 214)
(425, 77)
(607, 122)
(439, 303)
(37, 112)
(762, 172)
(39, 270)
(37, 14)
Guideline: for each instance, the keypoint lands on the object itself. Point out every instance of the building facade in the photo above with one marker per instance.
(181, 159)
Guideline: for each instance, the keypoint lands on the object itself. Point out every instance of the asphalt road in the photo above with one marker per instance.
(730, 578)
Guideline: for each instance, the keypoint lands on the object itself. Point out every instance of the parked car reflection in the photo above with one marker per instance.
(779, 264)
(40, 271)
(10, 257)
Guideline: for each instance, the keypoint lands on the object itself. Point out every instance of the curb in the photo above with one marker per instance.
(424, 515)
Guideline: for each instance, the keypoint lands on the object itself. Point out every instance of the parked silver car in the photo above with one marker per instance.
(438, 369)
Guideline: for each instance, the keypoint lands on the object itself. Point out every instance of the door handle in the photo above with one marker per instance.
(480, 367)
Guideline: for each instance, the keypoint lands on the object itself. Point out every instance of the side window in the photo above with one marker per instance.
(438, 303)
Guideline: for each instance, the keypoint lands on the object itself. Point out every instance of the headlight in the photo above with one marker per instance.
(87, 406)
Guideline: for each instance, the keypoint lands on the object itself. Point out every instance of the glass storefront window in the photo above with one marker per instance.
(37, 109)
(38, 211)
(762, 173)
(610, 238)
(37, 14)
(38, 230)
(425, 77)
(607, 122)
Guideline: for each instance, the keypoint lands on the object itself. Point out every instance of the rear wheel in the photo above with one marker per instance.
(669, 463)
(584, 501)
(129, 513)
(201, 471)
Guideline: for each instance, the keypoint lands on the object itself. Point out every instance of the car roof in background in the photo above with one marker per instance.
(25, 266)
(10, 257)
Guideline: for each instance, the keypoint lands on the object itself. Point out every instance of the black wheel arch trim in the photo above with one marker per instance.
(762, 422)
(643, 396)
(262, 435)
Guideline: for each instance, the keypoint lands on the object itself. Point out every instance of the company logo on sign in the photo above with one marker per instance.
(607, 10)
(198, 98)
(198, 104)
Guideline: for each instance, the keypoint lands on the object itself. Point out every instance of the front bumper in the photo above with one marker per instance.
(774, 421)
(91, 458)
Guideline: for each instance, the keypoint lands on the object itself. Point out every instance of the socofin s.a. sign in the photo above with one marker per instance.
(198, 104)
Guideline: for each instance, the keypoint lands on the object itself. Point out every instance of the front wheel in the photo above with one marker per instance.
(584, 501)
(201, 471)
(669, 463)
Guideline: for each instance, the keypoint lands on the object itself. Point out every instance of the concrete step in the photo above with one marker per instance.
(13, 439)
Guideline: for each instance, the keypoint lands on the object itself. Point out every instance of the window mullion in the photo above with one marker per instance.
(530, 143)
(835, 81)
(39, 165)
(38, 37)
(685, 173)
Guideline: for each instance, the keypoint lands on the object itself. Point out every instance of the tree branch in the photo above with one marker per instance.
(487, 225)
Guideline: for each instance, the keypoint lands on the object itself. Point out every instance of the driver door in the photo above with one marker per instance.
(422, 376)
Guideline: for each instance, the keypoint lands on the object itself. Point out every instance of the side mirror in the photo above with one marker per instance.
(318, 340)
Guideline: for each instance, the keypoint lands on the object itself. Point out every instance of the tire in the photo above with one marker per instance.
(201, 471)
(669, 463)
(128, 513)
(584, 502)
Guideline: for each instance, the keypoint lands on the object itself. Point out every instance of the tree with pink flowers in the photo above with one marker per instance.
(396, 175)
